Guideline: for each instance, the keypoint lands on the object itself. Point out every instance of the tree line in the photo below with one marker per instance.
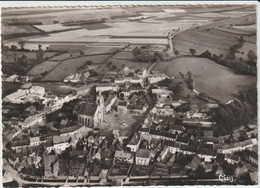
(239, 112)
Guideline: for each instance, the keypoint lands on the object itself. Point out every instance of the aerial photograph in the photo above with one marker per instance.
(129, 95)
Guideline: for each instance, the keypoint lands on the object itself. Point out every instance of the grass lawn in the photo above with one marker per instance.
(216, 80)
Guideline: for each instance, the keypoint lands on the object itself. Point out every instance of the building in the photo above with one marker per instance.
(82, 90)
(16, 97)
(124, 156)
(161, 92)
(206, 154)
(32, 120)
(51, 165)
(36, 141)
(156, 76)
(110, 100)
(106, 87)
(20, 144)
(232, 158)
(88, 114)
(73, 78)
(122, 107)
(78, 131)
(176, 129)
(134, 142)
(194, 164)
(37, 90)
(143, 157)
(173, 146)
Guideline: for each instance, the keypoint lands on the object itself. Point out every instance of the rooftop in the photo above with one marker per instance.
(87, 109)
(143, 153)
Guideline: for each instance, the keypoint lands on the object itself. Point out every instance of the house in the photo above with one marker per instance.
(206, 154)
(37, 90)
(32, 120)
(176, 129)
(122, 107)
(20, 144)
(106, 87)
(82, 90)
(172, 145)
(10, 134)
(161, 92)
(143, 157)
(156, 76)
(16, 97)
(189, 149)
(60, 143)
(184, 139)
(241, 169)
(63, 122)
(252, 133)
(161, 135)
(208, 133)
(31, 109)
(208, 167)
(12, 78)
(134, 142)
(36, 141)
(79, 131)
(51, 165)
(124, 156)
(194, 164)
(254, 177)
(137, 105)
(110, 100)
(232, 158)
(73, 78)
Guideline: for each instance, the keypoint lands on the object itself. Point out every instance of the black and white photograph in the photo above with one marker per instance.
(129, 94)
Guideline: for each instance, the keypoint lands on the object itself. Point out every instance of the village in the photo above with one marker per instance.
(121, 132)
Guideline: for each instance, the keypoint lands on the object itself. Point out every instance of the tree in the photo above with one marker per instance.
(251, 57)
(21, 43)
(192, 51)
(89, 62)
(5, 49)
(40, 54)
(136, 53)
(176, 53)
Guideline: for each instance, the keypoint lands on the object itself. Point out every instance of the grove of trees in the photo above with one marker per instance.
(239, 112)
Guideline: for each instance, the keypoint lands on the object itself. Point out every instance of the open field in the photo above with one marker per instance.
(72, 65)
(54, 27)
(214, 79)
(202, 41)
(12, 29)
(43, 67)
(95, 26)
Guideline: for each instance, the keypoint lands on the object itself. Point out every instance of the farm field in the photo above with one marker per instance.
(202, 41)
(72, 65)
(214, 79)
(54, 27)
(8, 29)
(45, 66)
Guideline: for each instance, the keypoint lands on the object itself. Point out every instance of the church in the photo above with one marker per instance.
(91, 115)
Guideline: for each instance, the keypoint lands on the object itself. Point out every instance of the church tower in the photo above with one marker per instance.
(101, 107)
